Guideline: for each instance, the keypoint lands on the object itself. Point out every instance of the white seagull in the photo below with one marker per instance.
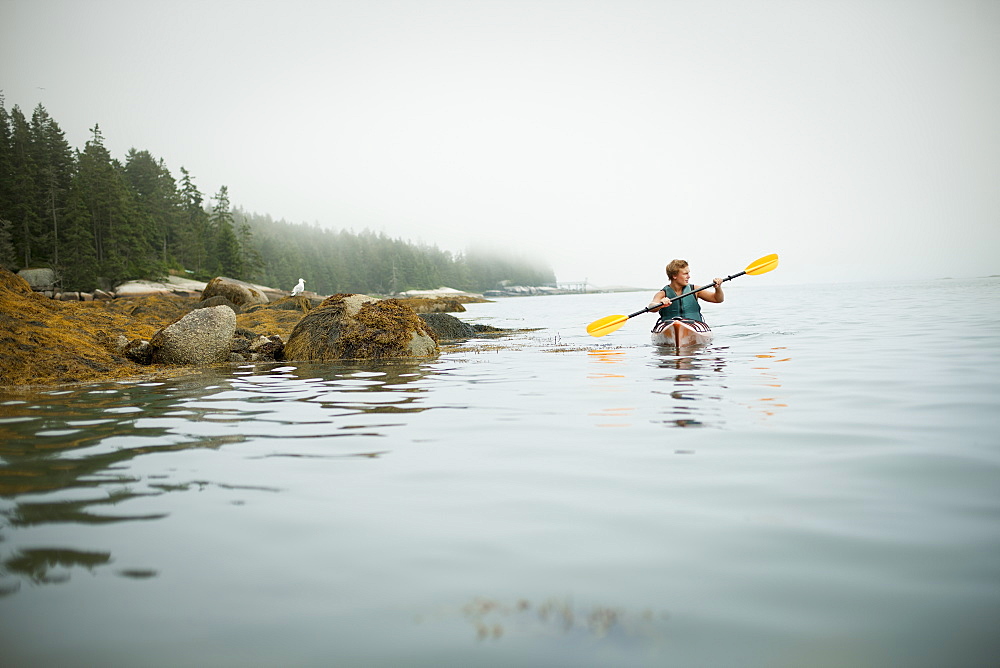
(299, 287)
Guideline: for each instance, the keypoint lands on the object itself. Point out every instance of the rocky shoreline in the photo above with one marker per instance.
(154, 330)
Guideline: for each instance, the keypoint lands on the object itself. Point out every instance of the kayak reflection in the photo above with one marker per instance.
(695, 388)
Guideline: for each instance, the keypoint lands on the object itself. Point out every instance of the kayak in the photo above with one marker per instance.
(680, 333)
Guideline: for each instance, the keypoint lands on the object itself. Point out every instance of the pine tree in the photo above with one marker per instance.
(157, 199)
(29, 232)
(80, 268)
(53, 162)
(118, 230)
(6, 166)
(251, 261)
(194, 233)
(228, 261)
(8, 256)
(88, 215)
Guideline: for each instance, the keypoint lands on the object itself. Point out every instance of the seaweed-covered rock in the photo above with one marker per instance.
(16, 284)
(434, 305)
(248, 346)
(360, 327)
(139, 351)
(267, 348)
(297, 303)
(483, 330)
(239, 345)
(447, 327)
(201, 337)
(44, 341)
(238, 292)
(270, 321)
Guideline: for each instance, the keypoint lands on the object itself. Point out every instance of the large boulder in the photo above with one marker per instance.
(239, 293)
(360, 327)
(39, 279)
(200, 338)
(217, 300)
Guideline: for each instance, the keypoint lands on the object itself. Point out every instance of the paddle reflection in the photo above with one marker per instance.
(767, 366)
(609, 381)
(605, 358)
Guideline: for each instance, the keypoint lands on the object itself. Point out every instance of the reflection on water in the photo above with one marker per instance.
(768, 368)
(697, 380)
(82, 512)
(696, 377)
(607, 357)
(65, 454)
(606, 378)
(51, 566)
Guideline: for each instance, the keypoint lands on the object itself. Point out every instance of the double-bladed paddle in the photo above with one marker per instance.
(610, 323)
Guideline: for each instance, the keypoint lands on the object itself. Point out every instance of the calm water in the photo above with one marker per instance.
(818, 487)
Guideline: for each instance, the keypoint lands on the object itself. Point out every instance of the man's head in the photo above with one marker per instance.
(675, 267)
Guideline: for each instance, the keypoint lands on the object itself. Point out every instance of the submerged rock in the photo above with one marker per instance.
(360, 327)
(200, 338)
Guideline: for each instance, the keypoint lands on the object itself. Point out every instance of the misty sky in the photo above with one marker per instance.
(860, 140)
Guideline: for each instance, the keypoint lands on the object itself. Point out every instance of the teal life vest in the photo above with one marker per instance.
(687, 308)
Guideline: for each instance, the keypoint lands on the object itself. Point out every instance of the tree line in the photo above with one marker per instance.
(98, 221)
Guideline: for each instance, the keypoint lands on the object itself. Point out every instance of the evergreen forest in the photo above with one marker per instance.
(98, 221)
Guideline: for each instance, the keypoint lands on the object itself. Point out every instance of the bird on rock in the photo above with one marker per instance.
(299, 287)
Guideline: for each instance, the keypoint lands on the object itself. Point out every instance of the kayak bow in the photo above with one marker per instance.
(680, 333)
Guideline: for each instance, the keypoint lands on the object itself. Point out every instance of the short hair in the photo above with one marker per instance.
(675, 268)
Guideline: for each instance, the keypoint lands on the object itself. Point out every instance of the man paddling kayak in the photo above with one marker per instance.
(680, 283)
(611, 323)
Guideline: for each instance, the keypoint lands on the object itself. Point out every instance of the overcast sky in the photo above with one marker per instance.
(860, 140)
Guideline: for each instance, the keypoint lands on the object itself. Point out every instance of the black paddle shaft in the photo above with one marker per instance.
(682, 296)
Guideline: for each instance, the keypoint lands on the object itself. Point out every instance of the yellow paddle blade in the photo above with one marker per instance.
(606, 325)
(763, 265)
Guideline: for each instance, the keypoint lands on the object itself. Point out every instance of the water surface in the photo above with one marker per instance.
(819, 486)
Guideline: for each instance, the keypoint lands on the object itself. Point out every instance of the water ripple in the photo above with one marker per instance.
(546, 490)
